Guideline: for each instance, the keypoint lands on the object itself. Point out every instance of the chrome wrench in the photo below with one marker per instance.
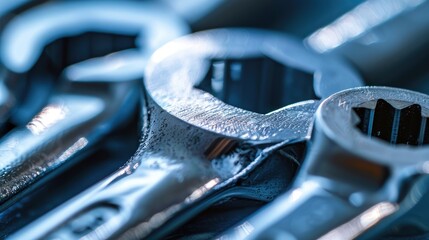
(187, 132)
(368, 146)
(39, 44)
(386, 41)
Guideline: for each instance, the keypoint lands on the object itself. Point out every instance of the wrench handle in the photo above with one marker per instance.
(133, 201)
(306, 212)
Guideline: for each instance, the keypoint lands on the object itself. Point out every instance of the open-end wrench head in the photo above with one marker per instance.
(21, 46)
(178, 71)
(107, 87)
(190, 128)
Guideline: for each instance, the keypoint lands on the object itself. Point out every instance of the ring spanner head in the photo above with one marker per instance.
(185, 128)
(94, 96)
(367, 144)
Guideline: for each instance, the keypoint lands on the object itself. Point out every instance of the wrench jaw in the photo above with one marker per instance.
(220, 61)
(40, 51)
(111, 21)
(349, 181)
(230, 56)
(183, 84)
(76, 117)
(107, 97)
(185, 130)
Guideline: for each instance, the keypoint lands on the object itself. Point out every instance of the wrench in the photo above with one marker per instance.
(91, 100)
(385, 40)
(191, 138)
(83, 109)
(368, 146)
(384, 48)
(22, 46)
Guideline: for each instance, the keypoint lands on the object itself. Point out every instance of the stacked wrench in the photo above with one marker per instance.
(193, 143)
(367, 39)
(373, 46)
(94, 96)
(368, 146)
(217, 87)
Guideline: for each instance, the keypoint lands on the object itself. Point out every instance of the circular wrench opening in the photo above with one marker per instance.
(184, 65)
(342, 116)
(396, 122)
(260, 84)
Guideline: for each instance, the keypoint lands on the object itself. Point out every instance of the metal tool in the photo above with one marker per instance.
(56, 33)
(368, 147)
(385, 40)
(94, 95)
(191, 139)
(367, 38)
(81, 111)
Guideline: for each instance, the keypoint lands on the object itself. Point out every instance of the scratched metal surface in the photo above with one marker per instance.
(172, 157)
(185, 62)
(279, 23)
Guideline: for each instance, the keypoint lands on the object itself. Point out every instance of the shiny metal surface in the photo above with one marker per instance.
(349, 180)
(77, 115)
(38, 43)
(189, 135)
(226, 120)
(93, 97)
(385, 40)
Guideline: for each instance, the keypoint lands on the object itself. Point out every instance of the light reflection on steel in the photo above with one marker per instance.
(350, 181)
(187, 127)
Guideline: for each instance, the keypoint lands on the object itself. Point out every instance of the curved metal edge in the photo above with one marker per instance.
(26, 35)
(335, 119)
(175, 68)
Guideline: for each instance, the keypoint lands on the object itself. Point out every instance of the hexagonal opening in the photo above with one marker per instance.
(396, 122)
(70, 50)
(258, 84)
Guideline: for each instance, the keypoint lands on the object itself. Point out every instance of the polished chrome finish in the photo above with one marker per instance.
(77, 115)
(189, 134)
(349, 180)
